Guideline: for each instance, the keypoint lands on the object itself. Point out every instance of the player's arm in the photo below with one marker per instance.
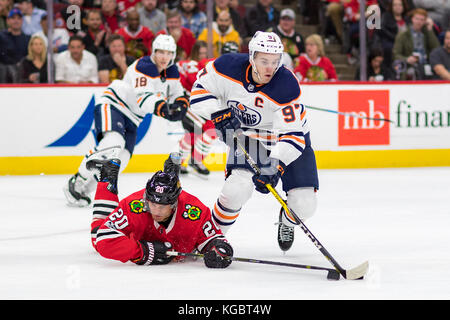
(205, 93)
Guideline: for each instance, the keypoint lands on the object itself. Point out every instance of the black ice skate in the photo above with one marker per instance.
(199, 168)
(285, 234)
(108, 170)
(74, 193)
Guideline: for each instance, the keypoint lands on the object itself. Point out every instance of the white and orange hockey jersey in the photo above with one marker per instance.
(270, 113)
(141, 87)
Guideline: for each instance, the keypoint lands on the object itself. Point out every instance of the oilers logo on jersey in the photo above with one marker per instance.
(248, 116)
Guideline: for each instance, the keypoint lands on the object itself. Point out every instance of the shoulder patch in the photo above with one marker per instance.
(137, 206)
(232, 65)
(192, 212)
(147, 67)
(283, 88)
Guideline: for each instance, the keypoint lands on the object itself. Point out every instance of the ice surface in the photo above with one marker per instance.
(398, 219)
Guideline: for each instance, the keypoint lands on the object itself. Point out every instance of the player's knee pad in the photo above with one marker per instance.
(303, 201)
(235, 193)
(111, 139)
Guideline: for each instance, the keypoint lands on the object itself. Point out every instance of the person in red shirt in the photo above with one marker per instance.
(138, 38)
(184, 37)
(144, 226)
(111, 17)
(314, 65)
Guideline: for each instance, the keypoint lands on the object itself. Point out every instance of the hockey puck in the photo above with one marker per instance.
(333, 275)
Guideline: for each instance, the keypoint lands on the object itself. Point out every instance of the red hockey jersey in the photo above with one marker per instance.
(117, 235)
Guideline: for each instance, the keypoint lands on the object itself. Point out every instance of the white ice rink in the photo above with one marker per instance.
(398, 219)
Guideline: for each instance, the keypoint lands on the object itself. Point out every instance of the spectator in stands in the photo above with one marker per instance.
(65, 19)
(13, 47)
(238, 23)
(223, 31)
(31, 17)
(124, 5)
(393, 21)
(314, 65)
(60, 36)
(261, 17)
(376, 69)
(184, 37)
(76, 65)
(292, 40)
(112, 20)
(151, 16)
(239, 8)
(33, 68)
(335, 12)
(114, 65)
(94, 38)
(5, 7)
(414, 45)
(189, 68)
(438, 11)
(440, 58)
(138, 38)
(191, 16)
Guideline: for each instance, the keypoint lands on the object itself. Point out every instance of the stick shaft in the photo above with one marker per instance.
(349, 114)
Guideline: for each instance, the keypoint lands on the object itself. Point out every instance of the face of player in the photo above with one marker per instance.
(162, 59)
(160, 212)
(266, 64)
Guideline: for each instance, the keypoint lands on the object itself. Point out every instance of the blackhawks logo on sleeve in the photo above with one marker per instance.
(192, 212)
(137, 206)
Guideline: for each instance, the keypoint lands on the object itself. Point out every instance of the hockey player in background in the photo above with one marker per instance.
(256, 98)
(150, 85)
(145, 225)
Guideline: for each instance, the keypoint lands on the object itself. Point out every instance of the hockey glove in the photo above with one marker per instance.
(217, 254)
(225, 122)
(154, 253)
(172, 112)
(270, 175)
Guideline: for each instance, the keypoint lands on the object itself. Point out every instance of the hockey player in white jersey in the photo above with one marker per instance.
(150, 85)
(256, 97)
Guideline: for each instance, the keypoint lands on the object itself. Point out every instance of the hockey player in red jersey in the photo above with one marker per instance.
(161, 217)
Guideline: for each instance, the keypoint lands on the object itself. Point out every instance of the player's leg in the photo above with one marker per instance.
(203, 143)
(300, 182)
(236, 191)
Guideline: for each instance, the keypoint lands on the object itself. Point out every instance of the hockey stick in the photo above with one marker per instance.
(350, 274)
(350, 114)
(332, 273)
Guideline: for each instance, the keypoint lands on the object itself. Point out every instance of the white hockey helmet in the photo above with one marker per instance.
(267, 42)
(165, 42)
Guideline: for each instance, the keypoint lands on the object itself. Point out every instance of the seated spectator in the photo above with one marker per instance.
(33, 68)
(94, 38)
(191, 16)
(414, 46)
(376, 69)
(112, 20)
(261, 17)
(438, 11)
(60, 36)
(183, 36)
(314, 65)
(223, 32)
(5, 7)
(138, 38)
(151, 16)
(64, 18)
(189, 68)
(13, 47)
(76, 65)
(393, 21)
(292, 40)
(238, 22)
(239, 8)
(31, 17)
(440, 59)
(124, 5)
(114, 65)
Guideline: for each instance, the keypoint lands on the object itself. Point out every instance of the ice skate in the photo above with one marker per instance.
(285, 234)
